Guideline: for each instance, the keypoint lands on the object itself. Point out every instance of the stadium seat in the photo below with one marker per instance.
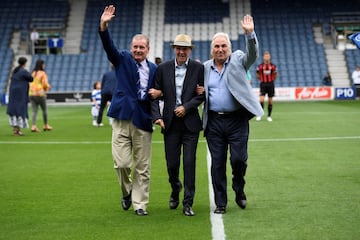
(284, 30)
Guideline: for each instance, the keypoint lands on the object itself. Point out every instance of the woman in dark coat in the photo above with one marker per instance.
(18, 97)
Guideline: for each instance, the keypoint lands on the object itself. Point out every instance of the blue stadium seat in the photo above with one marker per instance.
(283, 27)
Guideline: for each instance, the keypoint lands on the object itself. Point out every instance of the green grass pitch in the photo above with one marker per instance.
(303, 180)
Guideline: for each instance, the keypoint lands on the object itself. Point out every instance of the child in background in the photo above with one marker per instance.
(95, 102)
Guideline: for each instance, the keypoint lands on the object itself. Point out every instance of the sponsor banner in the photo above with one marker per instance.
(285, 94)
(313, 93)
(345, 93)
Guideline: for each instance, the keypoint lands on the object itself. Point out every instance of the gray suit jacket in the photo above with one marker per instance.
(237, 82)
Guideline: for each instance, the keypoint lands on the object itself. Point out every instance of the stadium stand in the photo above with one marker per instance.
(17, 16)
(288, 29)
(352, 59)
(77, 72)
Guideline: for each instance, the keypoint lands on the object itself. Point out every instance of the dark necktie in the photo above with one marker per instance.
(138, 83)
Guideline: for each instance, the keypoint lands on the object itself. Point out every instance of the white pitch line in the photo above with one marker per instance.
(200, 141)
(305, 139)
(217, 224)
(57, 142)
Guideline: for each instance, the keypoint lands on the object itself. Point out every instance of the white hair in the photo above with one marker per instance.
(224, 35)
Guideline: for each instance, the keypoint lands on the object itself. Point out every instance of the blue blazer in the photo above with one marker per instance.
(240, 88)
(125, 104)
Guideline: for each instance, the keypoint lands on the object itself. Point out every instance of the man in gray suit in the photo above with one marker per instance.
(180, 122)
(230, 104)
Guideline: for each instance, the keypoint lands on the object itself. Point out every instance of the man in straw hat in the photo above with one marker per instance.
(180, 123)
(230, 104)
(131, 110)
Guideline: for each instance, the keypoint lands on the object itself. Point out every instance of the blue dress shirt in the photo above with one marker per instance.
(180, 72)
(220, 98)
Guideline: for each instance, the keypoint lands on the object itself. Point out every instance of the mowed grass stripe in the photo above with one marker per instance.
(50, 142)
(302, 182)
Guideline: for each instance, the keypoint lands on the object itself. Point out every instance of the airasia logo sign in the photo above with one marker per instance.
(313, 93)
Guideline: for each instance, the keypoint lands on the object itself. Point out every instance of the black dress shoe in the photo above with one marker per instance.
(188, 211)
(174, 198)
(220, 210)
(126, 202)
(173, 203)
(141, 212)
(240, 199)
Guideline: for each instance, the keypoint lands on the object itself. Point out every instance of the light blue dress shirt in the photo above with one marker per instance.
(220, 98)
(144, 70)
(180, 72)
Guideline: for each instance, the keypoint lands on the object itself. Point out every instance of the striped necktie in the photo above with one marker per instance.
(138, 83)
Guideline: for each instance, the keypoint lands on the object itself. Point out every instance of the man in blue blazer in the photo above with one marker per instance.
(131, 110)
(180, 122)
(230, 104)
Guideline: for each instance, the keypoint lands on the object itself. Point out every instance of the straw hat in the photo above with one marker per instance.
(182, 40)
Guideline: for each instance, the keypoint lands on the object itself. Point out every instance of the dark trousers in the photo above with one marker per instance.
(357, 89)
(105, 98)
(178, 138)
(222, 132)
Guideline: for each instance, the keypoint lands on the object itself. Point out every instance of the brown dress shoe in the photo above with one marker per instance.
(47, 128)
(34, 129)
(17, 132)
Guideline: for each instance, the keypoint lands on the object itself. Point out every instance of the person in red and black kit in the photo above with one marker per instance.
(266, 72)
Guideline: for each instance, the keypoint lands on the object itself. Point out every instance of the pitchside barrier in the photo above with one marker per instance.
(281, 94)
(60, 97)
(313, 93)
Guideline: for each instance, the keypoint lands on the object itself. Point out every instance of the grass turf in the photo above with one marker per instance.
(302, 182)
